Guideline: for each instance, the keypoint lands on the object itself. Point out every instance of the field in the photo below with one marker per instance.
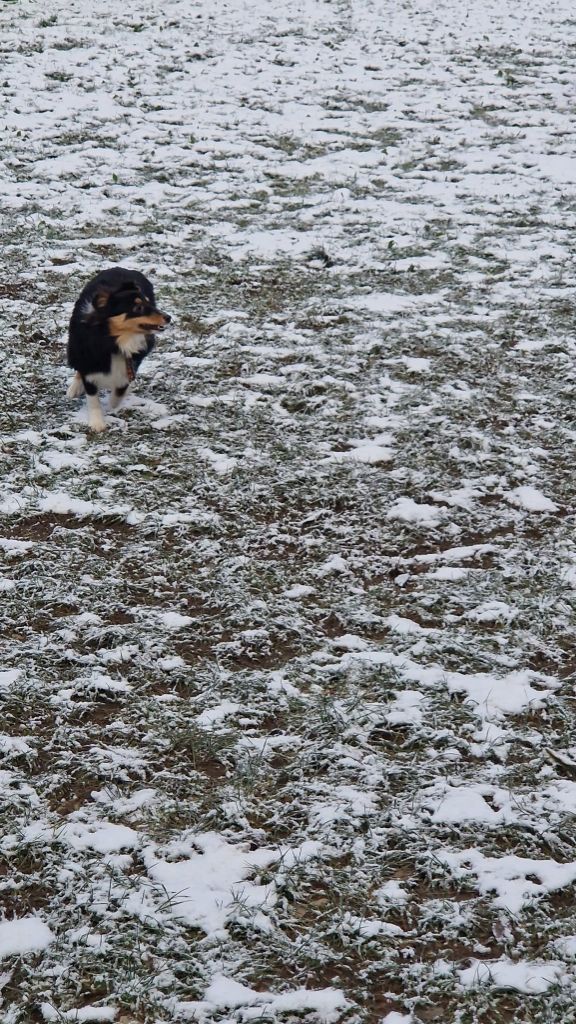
(287, 655)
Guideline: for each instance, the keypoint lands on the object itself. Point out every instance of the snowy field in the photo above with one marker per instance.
(287, 656)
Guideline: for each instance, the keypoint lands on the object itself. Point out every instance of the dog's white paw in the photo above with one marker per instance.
(75, 387)
(97, 424)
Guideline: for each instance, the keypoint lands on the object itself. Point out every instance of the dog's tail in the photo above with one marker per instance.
(75, 387)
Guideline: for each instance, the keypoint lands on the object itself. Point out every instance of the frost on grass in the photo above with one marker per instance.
(286, 656)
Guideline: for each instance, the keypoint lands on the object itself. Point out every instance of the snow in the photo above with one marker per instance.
(385, 303)
(83, 1013)
(410, 511)
(401, 624)
(299, 590)
(326, 1004)
(106, 684)
(491, 696)
(465, 804)
(63, 504)
(104, 837)
(217, 714)
(287, 652)
(492, 611)
(511, 878)
(567, 946)
(9, 676)
(174, 620)
(371, 454)
(221, 464)
(226, 992)
(24, 935)
(13, 548)
(448, 573)
(214, 874)
(531, 499)
(334, 564)
(416, 364)
(350, 642)
(527, 977)
(392, 892)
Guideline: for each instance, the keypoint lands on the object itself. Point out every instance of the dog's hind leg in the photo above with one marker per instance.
(96, 419)
(75, 387)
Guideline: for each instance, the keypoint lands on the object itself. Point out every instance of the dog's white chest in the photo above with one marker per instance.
(117, 378)
(130, 344)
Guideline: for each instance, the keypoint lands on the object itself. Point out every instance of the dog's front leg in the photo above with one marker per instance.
(117, 396)
(96, 419)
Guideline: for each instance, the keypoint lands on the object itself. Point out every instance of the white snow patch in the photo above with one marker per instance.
(492, 611)
(327, 1004)
(404, 626)
(405, 709)
(171, 664)
(9, 676)
(350, 642)
(364, 928)
(344, 802)
(266, 745)
(64, 504)
(216, 714)
(530, 977)
(388, 303)
(80, 1015)
(391, 892)
(531, 499)
(510, 878)
(15, 744)
(103, 836)
(221, 464)
(24, 935)
(298, 590)
(11, 548)
(491, 695)
(264, 380)
(448, 573)
(56, 460)
(416, 364)
(465, 804)
(184, 518)
(410, 511)
(334, 564)
(370, 454)
(212, 876)
(105, 684)
(457, 554)
(566, 945)
(174, 620)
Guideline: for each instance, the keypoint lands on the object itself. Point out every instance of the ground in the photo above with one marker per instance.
(287, 655)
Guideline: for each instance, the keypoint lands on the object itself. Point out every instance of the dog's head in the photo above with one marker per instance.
(127, 309)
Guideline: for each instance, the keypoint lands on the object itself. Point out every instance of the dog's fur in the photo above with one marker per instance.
(110, 334)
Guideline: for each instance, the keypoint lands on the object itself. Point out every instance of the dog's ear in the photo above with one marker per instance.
(100, 298)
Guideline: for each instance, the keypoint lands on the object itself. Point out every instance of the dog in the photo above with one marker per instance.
(110, 334)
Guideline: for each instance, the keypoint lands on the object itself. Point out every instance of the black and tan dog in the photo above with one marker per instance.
(110, 334)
